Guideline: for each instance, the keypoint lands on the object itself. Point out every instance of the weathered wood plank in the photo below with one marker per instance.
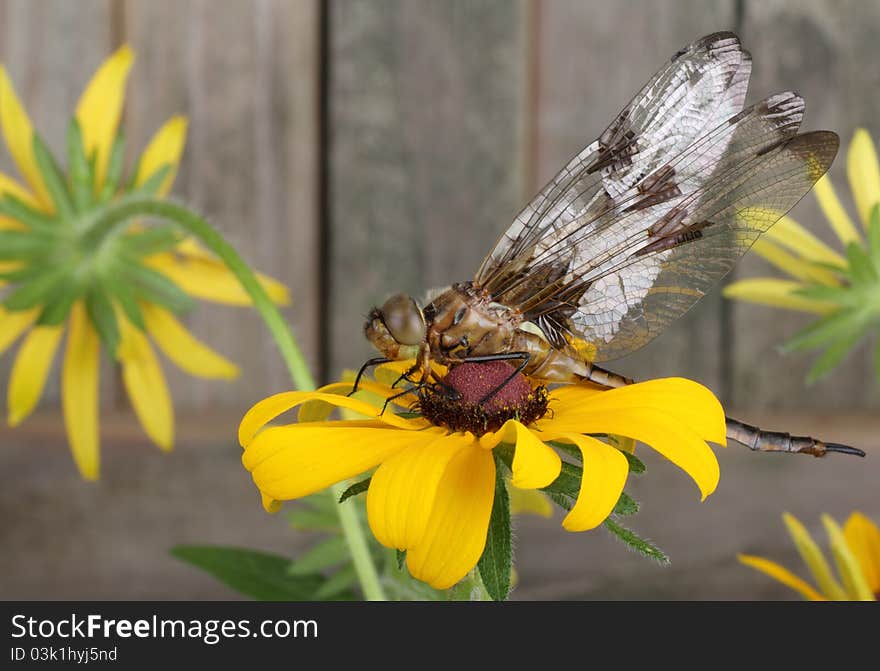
(424, 156)
(50, 50)
(591, 58)
(246, 75)
(823, 50)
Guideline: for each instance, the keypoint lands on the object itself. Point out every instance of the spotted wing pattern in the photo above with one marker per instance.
(640, 224)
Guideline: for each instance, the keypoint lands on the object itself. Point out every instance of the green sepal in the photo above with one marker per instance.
(832, 356)
(324, 555)
(82, 179)
(152, 240)
(638, 544)
(838, 324)
(497, 558)
(874, 237)
(124, 295)
(114, 167)
(38, 289)
(400, 556)
(355, 489)
(255, 574)
(17, 209)
(53, 178)
(315, 513)
(151, 186)
(636, 465)
(58, 306)
(23, 245)
(626, 505)
(103, 318)
(861, 269)
(157, 288)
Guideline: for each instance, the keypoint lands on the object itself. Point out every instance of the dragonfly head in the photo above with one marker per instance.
(397, 329)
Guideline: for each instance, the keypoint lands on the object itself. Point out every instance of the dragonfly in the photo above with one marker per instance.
(628, 236)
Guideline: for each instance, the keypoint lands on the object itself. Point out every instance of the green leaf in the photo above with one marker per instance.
(337, 586)
(53, 178)
(23, 245)
(17, 209)
(877, 358)
(114, 167)
(355, 489)
(151, 186)
(636, 466)
(259, 575)
(157, 288)
(324, 555)
(309, 519)
(496, 561)
(37, 290)
(640, 545)
(832, 356)
(841, 295)
(839, 324)
(100, 311)
(861, 270)
(81, 177)
(58, 306)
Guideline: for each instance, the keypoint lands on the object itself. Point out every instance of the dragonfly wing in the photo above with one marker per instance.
(701, 85)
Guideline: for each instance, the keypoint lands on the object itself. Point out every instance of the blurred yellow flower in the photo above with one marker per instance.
(122, 290)
(856, 552)
(434, 488)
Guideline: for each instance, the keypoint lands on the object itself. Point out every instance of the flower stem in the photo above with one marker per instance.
(122, 210)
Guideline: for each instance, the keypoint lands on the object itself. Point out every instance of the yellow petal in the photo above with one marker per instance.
(18, 133)
(692, 404)
(165, 148)
(455, 534)
(814, 559)
(182, 348)
(13, 324)
(863, 538)
(30, 371)
(270, 505)
(834, 212)
(778, 293)
(79, 392)
(535, 464)
(10, 186)
(530, 501)
(863, 172)
(368, 391)
(273, 406)
(781, 574)
(790, 234)
(210, 280)
(847, 565)
(797, 267)
(605, 471)
(145, 384)
(288, 462)
(100, 108)
(403, 489)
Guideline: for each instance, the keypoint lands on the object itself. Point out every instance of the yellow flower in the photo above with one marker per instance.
(856, 552)
(434, 485)
(59, 284)
(800, 254)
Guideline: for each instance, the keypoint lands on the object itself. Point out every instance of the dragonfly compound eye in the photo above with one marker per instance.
(404, 319)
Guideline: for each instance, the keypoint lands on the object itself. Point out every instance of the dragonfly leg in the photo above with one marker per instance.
(778, 441)
(370, 363)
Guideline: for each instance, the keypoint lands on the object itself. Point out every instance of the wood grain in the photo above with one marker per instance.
(424, 150)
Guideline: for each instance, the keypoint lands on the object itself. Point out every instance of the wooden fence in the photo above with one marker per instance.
(363, 147)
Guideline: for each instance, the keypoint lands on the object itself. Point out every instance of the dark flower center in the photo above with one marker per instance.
(480, 397)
